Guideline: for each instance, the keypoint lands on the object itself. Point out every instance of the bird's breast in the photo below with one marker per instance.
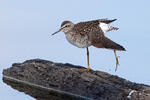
(78, 40)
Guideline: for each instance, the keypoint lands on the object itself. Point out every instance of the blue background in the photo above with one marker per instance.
(26, 27)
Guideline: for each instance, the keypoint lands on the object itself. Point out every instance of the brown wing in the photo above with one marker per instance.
(98, 40)
(107, 21)
(109, 44)
(86, 27)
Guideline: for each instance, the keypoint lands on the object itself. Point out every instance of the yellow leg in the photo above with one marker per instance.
(117, 61)
(88, 59)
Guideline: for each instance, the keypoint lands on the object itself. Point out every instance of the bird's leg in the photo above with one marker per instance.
(88, 59)
(117, 61)
(88, 69)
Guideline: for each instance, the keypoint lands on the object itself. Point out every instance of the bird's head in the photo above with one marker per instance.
(65, 27)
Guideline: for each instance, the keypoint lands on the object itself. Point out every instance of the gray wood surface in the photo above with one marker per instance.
(46, 80)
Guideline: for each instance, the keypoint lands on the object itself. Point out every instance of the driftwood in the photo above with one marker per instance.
(46, 80)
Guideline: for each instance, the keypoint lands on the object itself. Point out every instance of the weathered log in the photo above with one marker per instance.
(46, 80)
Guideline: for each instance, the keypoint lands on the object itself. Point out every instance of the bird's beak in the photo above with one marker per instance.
(57, 31)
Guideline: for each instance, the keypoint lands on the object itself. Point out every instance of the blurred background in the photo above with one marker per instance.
(26, 27)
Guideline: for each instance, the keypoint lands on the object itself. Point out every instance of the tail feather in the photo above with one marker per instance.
(109, 44)
(113, 28)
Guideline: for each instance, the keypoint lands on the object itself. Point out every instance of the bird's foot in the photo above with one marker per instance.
(117, 62)
(85, 70)
(88, 69)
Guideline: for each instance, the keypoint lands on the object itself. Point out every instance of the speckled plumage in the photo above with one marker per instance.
(90, 33)
(85, 34)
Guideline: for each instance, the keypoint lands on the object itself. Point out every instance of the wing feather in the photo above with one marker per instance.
(98, 40)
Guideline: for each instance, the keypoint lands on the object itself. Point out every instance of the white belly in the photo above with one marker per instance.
(78, 42)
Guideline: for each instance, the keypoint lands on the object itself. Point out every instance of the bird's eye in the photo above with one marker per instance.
(67, 26)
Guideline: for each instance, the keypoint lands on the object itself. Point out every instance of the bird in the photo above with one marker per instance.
(91, 33)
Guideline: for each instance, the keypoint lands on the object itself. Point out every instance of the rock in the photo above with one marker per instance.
(45, 80)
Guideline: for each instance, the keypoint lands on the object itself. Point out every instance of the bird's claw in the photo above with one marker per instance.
(85, 70)
(88, 69)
